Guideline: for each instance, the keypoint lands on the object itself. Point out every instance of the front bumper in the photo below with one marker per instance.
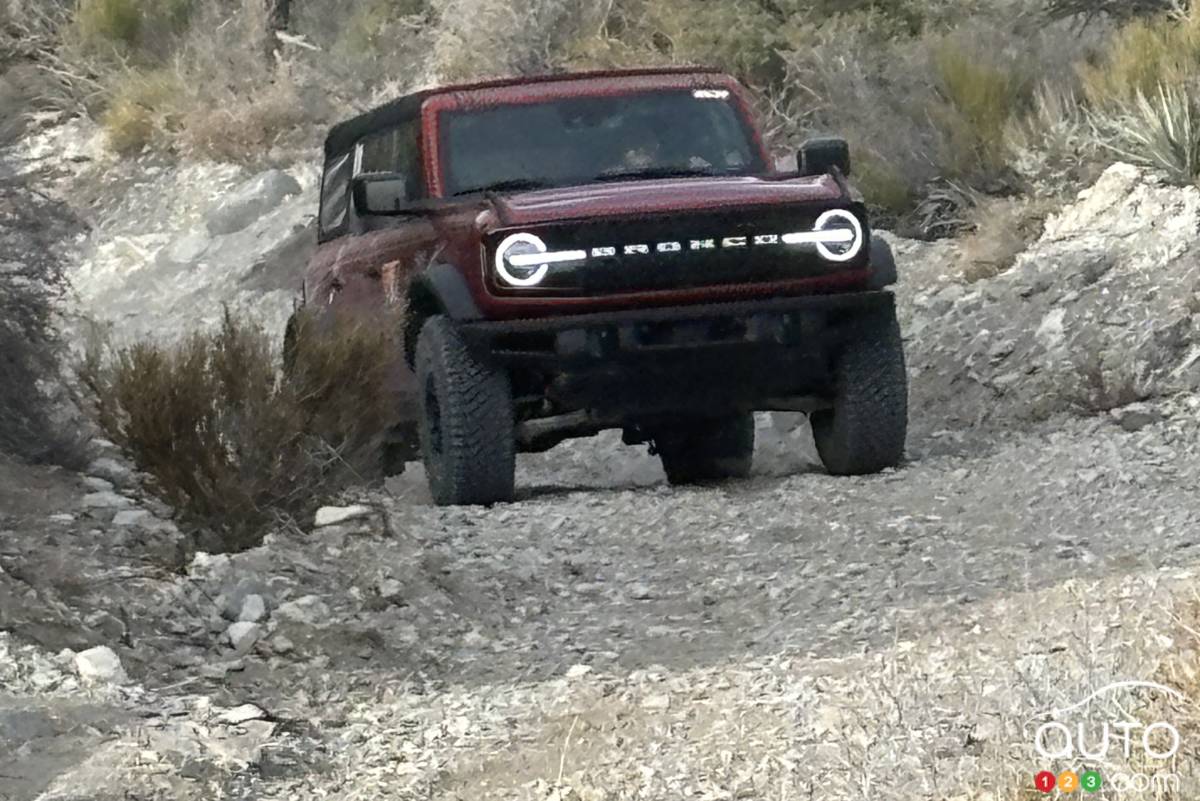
(713, 357)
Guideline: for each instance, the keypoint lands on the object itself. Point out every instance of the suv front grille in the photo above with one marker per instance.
(684, 251)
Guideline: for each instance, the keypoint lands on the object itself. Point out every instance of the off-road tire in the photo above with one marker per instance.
(707, 450)
(865, 430)
(466, 425)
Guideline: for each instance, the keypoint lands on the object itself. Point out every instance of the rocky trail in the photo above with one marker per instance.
(792, 635)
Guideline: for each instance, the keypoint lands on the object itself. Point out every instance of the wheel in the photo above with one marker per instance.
(864, 432)
(707, 450)
(466, 425)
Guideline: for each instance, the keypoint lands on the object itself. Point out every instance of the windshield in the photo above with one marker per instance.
(584, 139)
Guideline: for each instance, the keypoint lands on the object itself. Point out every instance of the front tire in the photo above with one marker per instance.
(865, 430)
(466, 427)
(707, 450)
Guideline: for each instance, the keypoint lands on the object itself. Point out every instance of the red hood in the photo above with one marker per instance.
(649, 197)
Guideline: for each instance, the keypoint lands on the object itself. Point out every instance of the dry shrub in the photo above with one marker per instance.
(227, 441)
(1003, 229)
(1143, 55)
(141, 110)
(140, 29)
(31, 396)
(980, 93)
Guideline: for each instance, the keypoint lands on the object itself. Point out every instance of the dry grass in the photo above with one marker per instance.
(1003, 228)
(1143, 55)
(226, 440)
(979, 96)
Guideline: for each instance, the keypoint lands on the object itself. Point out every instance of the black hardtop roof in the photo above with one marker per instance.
(343, 135)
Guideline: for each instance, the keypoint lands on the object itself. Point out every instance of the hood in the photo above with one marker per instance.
(658, 196)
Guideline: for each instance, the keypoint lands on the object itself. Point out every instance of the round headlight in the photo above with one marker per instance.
(521, 244)
(844, 238)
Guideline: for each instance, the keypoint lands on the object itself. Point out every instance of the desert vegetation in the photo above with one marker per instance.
(233, 442)
(946, 102)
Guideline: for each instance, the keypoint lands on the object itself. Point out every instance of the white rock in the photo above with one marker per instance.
(100, 665)
(657, 701)
(105, 500)
(250, 201)
(333, 515)
(242, 635)
(241, 714)
(309, 609)
(254, 608)
(62, 517)
(131, 517)
(108, 468)
(187, 249)
(577, 671)
(97, 484)
(389, 588)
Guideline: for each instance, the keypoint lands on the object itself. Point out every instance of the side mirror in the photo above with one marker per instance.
(820, 156)
(380, 193)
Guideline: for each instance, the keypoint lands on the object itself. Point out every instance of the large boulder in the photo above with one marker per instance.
(247, 203)
(1099, 313)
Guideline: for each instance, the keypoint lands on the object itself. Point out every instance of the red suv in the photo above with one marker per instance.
(573, 253)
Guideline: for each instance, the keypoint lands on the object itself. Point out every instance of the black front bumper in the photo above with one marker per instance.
(721, 355)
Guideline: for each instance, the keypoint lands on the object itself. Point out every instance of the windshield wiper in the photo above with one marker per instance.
(507, 185)
(657, 172)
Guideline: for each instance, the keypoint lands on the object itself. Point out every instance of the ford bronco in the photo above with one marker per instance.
(574, 253)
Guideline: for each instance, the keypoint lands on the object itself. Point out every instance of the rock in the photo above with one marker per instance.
(108, 468)
(250, 201)
(187, 249)
(105, 500)
(243, 635)
(657, 701)
(234, 599)
(1136, 416)
(112, 627)
(254, 609)
(640, 592)
(309, 610)
(282, 645)
(389, 588)
(240, 714)
(62, 517)
(334, 515)
(100, 665)
(97, 484)
(131, 517)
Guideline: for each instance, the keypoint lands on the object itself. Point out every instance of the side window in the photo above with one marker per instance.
(335, 193)
(396, 150)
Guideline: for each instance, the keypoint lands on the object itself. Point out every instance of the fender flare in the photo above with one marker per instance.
(883, 264)
(446, 286)
(439, 289)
